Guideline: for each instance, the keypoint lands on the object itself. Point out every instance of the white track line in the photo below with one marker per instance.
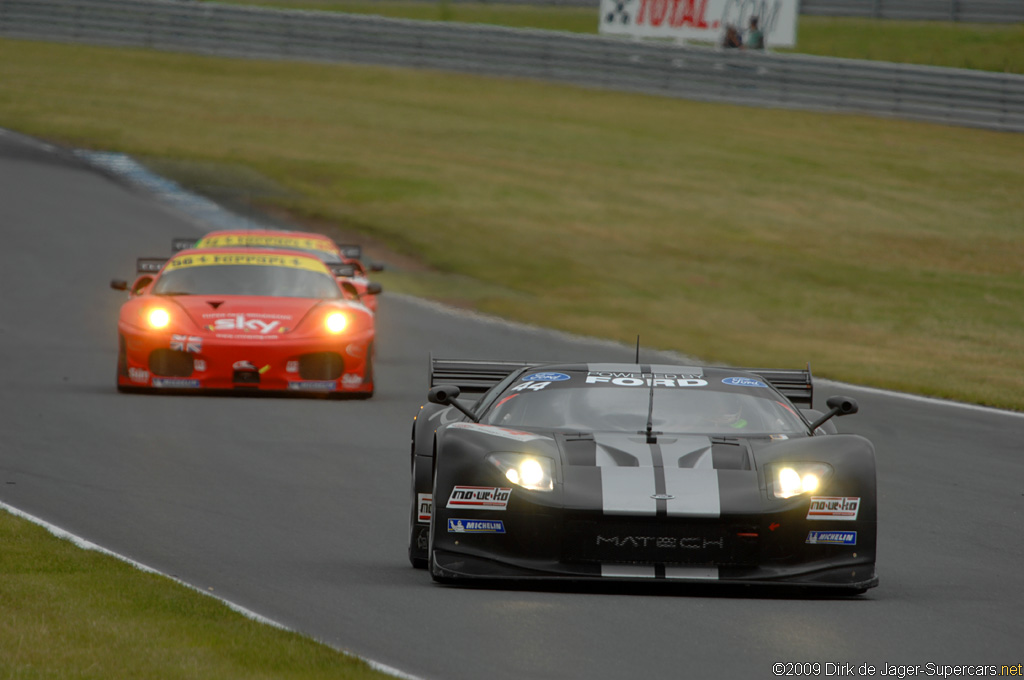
(248, 613)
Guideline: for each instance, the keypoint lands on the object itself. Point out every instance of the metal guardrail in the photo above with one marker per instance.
(981, 11)
(952, 96)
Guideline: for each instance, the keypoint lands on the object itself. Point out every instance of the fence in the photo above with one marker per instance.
(952, 96)
(984, 11)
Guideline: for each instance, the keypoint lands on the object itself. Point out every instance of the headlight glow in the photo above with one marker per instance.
(793, 479)
(789, 483)
(336, 322)
(158, 317)
(522, 469)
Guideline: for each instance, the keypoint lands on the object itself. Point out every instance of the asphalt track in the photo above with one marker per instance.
(296, 509)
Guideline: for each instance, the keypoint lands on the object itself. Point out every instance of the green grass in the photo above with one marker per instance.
(884, 252)
(989, 47)
(70, 613)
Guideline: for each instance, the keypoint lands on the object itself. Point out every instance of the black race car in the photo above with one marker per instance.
(639, 472)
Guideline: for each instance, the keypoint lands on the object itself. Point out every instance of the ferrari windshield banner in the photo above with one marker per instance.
(265, 241)
(254, 259)
(700, 20)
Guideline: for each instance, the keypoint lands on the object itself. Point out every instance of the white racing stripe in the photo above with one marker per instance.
(628, 491)
(627, 571)
(630, 477)
(695, 492)
(692, 573)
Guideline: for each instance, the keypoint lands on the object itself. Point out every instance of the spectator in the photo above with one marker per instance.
(755, 37)
(732, 38)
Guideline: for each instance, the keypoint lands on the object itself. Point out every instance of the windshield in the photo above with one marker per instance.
(268, 281)
(681, 406)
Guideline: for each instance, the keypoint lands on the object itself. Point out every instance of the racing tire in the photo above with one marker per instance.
(414, 534)
(368, 375)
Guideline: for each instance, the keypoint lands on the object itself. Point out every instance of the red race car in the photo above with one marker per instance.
(343, 260)
(240, 319)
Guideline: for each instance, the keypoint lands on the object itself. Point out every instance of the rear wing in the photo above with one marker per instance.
(471, 375)
(797, 385)
(352, 252)
(347, 270)
(149, 265)
(180, 244)
(479, 376)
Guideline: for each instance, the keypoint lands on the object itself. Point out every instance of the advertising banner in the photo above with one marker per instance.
(700, 20)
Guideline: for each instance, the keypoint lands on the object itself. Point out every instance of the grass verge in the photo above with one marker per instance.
(989, 47)
(883, 252)
(70, 613)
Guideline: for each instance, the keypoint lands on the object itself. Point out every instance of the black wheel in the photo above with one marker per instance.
(419, 538)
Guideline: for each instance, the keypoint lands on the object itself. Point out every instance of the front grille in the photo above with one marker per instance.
(661, 541)
(170, 363)
(321, 366)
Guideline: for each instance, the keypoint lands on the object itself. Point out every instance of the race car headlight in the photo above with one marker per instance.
(336, 322)
(530, 472)
(158, 317)
(793, 479)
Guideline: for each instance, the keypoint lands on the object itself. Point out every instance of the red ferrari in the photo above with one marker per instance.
(240, 319)
(344, 261)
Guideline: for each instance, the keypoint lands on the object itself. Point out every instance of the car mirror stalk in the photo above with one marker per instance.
(838, 406)
(446, 396)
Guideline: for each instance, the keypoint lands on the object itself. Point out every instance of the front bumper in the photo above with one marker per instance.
(549, 544)
(176, 362)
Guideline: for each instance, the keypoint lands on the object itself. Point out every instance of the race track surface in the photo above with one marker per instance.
(297, 509)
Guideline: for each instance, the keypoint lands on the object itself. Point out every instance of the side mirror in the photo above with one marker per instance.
(376, 267)
(443, 394)
(838, 406)
(350, 291)
(446, 395)
(119, 284)
(374, 289)
(140, 284)
(846, 406)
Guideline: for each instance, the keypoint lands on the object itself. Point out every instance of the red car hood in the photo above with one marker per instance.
(255, 315)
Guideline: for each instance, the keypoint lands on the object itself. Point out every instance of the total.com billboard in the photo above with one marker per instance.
(700, 20)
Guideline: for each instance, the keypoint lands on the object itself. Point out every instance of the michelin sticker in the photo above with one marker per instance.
(181, 383)
(743, 382)
(832, 537)
(476, 526)
(546, 377)
(312, 385)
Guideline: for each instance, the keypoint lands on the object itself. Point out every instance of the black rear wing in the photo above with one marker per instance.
(149, 265)
(796, 384)
(350, 250)
(346, 270)
(471, 375)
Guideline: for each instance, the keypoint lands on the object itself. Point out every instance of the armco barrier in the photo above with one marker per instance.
(983, 11)
(952, 96)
